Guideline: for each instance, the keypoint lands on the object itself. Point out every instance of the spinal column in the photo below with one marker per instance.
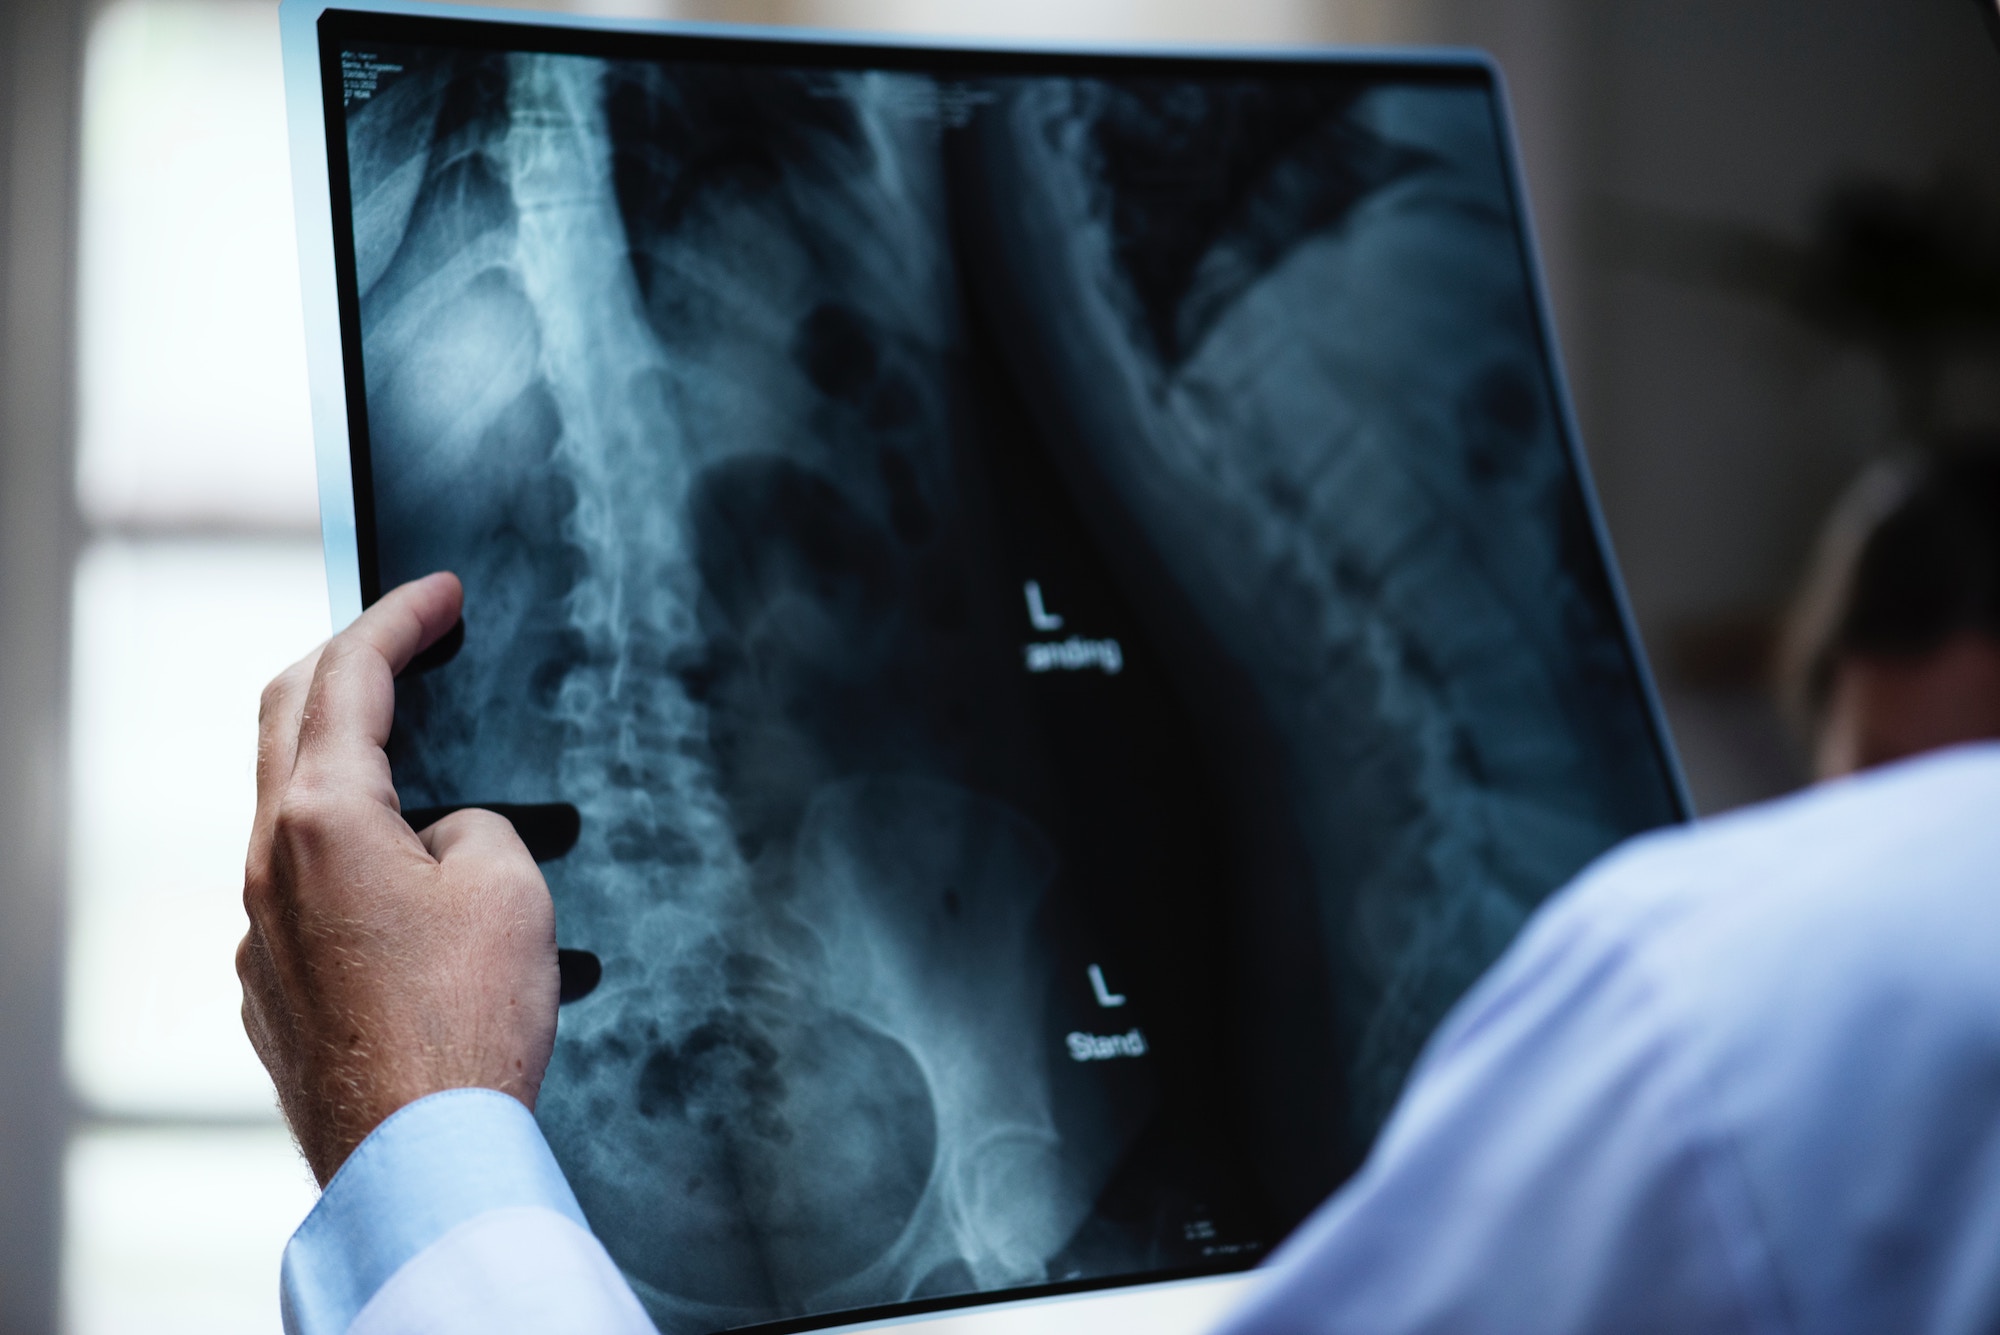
(805, 1083)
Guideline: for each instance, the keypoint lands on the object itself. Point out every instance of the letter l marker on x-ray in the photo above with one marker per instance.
(1039, 616)
(1105, 996)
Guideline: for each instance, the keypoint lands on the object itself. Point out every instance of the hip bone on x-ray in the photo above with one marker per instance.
(1053, 615)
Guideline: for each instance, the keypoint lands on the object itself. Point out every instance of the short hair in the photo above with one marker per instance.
(1908, 561)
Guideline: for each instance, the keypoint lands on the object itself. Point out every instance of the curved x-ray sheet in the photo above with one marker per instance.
(1060, 604)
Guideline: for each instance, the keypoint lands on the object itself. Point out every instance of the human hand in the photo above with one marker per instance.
(382, 965)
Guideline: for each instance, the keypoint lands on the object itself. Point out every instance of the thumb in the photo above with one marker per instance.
(474, 834)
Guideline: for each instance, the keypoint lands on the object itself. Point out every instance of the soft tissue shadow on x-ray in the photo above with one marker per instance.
(1321, 446)
(747, 402)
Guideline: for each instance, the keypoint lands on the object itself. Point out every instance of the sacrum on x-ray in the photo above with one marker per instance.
(1041, 609)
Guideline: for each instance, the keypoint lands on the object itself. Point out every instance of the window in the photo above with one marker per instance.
(199, 579)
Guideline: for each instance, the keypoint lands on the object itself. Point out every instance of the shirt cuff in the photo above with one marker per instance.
(431, 1166)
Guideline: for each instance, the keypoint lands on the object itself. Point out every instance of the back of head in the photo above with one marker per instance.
(1894, 646)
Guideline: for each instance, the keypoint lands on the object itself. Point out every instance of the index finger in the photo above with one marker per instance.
(278, 714)
(352, 700)
(277, 745)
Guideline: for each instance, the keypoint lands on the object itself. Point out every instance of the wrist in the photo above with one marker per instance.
(347, 1115)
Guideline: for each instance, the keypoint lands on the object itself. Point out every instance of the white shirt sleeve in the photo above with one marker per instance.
(453, 1216)
(1551, 1169)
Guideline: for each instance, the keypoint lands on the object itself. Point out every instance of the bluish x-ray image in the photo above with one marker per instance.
(1043, 621)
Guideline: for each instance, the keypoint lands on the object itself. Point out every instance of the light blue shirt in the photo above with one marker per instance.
(453, 1216)
(1740, 1077)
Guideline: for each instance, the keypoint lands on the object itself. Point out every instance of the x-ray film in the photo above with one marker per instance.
(1040, 609)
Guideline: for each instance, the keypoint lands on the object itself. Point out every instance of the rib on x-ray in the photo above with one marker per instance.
(1061, 606)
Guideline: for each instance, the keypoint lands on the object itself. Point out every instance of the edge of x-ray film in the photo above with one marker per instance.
(1164, 1307)
(995, 832)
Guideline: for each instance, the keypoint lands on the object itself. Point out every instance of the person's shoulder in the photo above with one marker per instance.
(1746, 1064)
(1882, 890)
(1906, 848)
(1790, 944)
(1825, 966)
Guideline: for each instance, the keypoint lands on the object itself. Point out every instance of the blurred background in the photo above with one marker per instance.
(1772, 232)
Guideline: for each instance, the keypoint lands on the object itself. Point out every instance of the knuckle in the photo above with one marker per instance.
(348, 652)
(300, 812)
(487, 827)
(339, 651)
(260, 896)
(308, 814)
(281, 693)
(267, 904)
(486, 834)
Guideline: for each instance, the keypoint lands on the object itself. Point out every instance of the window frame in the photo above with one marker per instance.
(41, 47)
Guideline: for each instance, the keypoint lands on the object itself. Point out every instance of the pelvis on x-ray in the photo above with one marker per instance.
(1060, 607)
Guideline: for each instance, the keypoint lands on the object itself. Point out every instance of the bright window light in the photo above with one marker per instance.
(173, 644)
(1111, 20)
(178, 1232)
(191, 346)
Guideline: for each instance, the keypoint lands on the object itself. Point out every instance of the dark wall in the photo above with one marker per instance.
(1721, 426)
(38, 63)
